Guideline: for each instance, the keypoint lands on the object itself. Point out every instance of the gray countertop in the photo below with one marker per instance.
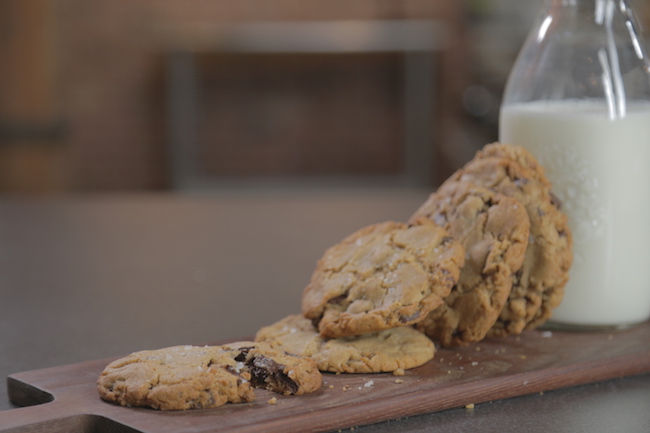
(92, 277)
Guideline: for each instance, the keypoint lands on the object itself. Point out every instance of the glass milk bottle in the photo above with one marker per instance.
(578, 98)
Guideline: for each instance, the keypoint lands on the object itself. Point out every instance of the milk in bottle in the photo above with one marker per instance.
(578, 98)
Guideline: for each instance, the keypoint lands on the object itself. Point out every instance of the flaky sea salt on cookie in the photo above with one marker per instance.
(384, 351)
(383, 276)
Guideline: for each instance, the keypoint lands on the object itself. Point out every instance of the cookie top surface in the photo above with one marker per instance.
(383, 351)
(539, 286)
(175, 378)
(200, 377)
(494, 230)
(518, 154)
(383, 276)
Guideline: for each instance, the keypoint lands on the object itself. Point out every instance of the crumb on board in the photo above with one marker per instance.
(469, 406)
(399, 381)
(331, 387)
(399, 372)
(272, 400)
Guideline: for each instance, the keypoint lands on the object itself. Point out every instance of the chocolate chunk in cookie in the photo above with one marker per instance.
(383, 351)
(383, 276)
(274, 369)
(194, 377)
(494, 231)
(539, 286)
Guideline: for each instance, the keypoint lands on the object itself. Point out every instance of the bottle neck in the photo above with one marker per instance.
(599, 10)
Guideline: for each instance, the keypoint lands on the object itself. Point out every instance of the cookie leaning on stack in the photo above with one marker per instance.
(381, 277)
(494, 230)
(539, 287)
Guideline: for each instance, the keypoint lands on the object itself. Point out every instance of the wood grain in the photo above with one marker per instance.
(62, 399)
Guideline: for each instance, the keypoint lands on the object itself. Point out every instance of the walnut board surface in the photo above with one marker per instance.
(63, 399)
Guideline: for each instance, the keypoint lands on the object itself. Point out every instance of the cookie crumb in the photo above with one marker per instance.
(474, 363)
(399, 372)
(272, 401)
(469, 406)
(331, 387)
(522, 357)
(477, 349)
(399, 381)
(547, 334)
(369, 383)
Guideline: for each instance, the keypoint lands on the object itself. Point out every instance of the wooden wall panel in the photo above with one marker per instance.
(31, 147)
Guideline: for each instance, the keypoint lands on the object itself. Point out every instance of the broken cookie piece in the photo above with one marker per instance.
(274, 369)
(201, 377)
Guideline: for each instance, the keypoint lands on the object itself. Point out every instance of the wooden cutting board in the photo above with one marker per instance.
(64, 399)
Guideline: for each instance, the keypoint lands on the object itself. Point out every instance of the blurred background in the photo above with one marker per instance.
(168, 95)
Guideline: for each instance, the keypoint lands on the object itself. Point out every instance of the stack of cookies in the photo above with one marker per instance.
(487, 254)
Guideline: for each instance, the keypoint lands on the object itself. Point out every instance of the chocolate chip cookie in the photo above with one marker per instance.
(383, 351)
(195, 377)
(383, 276)
(539, 285)
(494, 231)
